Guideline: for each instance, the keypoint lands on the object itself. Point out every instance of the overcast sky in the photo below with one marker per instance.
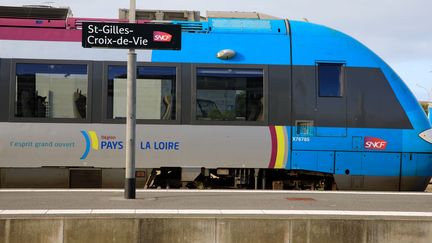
(400, 31)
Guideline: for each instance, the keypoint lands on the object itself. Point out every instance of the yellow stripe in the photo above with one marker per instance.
(94, 140)
(286, 146)
(280, 147)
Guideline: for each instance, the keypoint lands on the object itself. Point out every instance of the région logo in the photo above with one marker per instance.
(159, 36)
(375, 143)
(104, 143)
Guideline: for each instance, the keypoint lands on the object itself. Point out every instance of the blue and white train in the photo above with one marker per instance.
(246, 103)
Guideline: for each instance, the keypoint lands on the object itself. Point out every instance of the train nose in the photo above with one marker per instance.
(427, 135)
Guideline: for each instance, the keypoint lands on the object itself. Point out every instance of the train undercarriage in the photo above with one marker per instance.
(229, 178)
(166, 178)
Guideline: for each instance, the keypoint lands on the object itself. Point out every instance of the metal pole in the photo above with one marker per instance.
(130, 187)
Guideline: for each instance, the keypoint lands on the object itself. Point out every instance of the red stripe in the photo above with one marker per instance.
(38, 23)
(274, 146)
(39, 34)
(10, 30)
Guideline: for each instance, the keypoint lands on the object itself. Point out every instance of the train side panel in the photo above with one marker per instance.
(372, 128)
(103, 145)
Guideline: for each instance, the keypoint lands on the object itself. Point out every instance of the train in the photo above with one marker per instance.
(246, 103)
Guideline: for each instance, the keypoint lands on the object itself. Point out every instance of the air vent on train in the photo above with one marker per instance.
(193, 26)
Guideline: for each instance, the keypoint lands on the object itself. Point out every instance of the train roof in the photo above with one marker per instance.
(49, 12)
(255, 37)
(191, 21)
(35, 12)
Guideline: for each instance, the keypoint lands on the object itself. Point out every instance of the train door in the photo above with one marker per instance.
(319, 116)
(331, 105)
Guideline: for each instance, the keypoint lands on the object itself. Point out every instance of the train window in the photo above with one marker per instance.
(51, 90)
(225, 94)
(156, 92)
(330, 79)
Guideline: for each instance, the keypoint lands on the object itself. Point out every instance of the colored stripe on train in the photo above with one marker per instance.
(279, 153)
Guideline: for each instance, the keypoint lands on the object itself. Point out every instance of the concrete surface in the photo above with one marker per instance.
(30, 230)
(3, 231)
(214, 216)
(100, 230)
(217, 200)
(214, 229)
(177, 230)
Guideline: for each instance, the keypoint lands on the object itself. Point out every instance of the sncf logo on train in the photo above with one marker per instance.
(375, 143)
(136, 36)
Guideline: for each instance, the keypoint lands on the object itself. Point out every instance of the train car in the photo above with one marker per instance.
(246, 103)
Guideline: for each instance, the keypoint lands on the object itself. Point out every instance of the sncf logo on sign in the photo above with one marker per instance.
(159, 36)
(374, 143)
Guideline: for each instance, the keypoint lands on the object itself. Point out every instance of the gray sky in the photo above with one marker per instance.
(400, 31)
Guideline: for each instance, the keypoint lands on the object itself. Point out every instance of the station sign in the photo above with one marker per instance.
(131, 36)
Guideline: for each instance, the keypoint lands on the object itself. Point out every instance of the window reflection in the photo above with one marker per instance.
(229, 94)
(155, 92)
(51, 90)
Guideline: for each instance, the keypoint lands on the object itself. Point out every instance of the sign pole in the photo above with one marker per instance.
(131, 36)
(130, 181)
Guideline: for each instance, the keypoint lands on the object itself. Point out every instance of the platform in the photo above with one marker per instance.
(214, 216)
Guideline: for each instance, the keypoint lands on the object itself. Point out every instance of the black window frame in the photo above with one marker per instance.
(194, 75)
(5, 67)
(13, 85)
(342, 81)
(105, 77)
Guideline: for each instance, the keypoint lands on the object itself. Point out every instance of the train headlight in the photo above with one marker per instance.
(225, 54)
(427, 135)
